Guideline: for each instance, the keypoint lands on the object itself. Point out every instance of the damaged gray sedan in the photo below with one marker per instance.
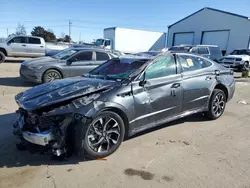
(91, 115)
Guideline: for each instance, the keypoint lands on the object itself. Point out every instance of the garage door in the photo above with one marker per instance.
(183, 38)
(219, 38)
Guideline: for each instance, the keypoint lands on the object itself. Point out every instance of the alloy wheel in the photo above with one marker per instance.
(51, 76)
(103, 134)
(218, 104)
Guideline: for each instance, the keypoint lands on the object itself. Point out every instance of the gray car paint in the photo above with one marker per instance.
(33, 70)
(160, 100)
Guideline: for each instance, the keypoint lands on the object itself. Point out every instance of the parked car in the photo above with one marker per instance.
(92, 114)
(212, 52)
(236, 59)
(68, 63)
(180, 48)
(22, 46)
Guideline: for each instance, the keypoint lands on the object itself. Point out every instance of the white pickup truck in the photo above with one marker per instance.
(22, 46)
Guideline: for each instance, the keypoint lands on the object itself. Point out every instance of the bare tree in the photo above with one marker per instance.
(20, 30)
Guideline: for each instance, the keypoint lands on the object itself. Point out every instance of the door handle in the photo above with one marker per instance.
(208, 78)
(176, 85)
(23, 45)
(41, 46)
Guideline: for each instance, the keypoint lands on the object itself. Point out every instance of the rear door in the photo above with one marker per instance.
(35, 48)
(82, 63)
(18, 46)
(198, 80)
(101, 57)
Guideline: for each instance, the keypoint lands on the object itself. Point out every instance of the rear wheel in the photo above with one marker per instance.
(100, 138)
(217, 104)
(51, 75)
(2, 57)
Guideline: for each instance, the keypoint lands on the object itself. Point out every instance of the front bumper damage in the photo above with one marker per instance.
(50, 136)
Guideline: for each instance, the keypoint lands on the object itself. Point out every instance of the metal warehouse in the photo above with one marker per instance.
(211, 26)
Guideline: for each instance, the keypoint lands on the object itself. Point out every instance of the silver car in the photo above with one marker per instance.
(68, 63)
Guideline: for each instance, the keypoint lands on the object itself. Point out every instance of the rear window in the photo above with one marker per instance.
(34, 40)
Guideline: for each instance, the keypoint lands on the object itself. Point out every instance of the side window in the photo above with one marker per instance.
(32, 40)
(194, 50)
(100, 56)
(203, 51)
(189, 63)
(82, 56)
(204, 63)
(163, 66)
(18, 40)
(107, 43)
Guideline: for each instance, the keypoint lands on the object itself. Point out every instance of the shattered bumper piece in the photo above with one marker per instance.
(42, 138)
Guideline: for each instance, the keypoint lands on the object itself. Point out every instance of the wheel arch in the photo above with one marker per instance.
(4, 51)
(223, 88)
(122, 114)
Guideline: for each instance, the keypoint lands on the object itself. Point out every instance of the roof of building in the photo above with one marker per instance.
(208, 8)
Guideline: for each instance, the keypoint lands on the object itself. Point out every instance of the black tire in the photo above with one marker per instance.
(2, 57)
(217, 101)
(51, 75)
(83, 133)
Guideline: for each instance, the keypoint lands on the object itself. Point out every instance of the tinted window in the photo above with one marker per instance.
(107, 43)
(83, 56)
(189, 63)
(34, 40)
(203, 50)
(100, 56)
(194, 50)
(163, 66)
(215, 51)
(18, 40)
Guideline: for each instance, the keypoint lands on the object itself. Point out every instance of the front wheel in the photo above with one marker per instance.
(2, 57)
(100, 138)
(51, 75)
(217, 104)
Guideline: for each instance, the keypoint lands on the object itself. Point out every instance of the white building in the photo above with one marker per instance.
(211, 26)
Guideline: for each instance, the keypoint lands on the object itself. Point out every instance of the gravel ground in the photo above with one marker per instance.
(191, 152)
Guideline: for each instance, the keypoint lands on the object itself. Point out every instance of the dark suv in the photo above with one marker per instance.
(212, 52)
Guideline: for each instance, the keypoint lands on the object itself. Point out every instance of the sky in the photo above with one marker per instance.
(90, 17)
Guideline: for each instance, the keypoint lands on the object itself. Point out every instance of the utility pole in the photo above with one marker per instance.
(7, 32)
(70, 23)
(80, 37)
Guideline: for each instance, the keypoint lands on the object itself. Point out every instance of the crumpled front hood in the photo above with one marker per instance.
(59, 91)
(40, 61)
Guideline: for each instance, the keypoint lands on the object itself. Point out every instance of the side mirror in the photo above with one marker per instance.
(217, 72)
(143, 81)
(68, 63)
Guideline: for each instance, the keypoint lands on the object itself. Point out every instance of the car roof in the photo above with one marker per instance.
(206, 45)
(89, 49)
(133, 57)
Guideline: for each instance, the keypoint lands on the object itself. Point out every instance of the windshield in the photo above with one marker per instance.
(65, 54)
(99, 42)
(119, 68)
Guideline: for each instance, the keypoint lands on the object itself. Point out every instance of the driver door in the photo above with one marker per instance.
(18, 46)
(81, 63)
(160, 97)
